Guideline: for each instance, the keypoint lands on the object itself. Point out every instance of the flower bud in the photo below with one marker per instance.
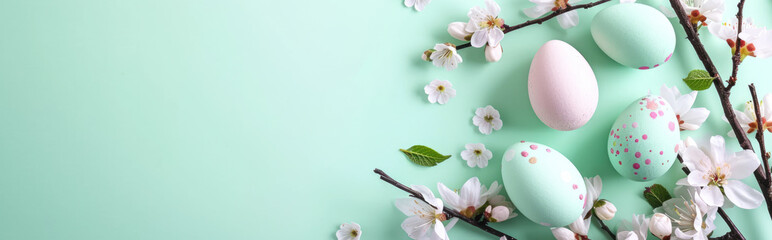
(563, 234)
(660, 225)
(627, 235)
(604, 210)
(493, 54)
(426, 55)
(458, 31)
(497, 214)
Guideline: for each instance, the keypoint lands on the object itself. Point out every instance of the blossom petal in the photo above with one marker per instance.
(409, 3)
(493, 7)
(479, 38)
(440, 231)
(470, 193)
(416, 227)
(766, 104)
(743, 164)
(742, 195)
(420, 4)
(537, 11)
(569, 19)
(695, 117)
(712, 196)
(494, 36)
(717, 149)
(697, 178)
(449, 196)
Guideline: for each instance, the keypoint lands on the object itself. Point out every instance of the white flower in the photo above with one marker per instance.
(445, 55)
(567, 20)
(349, 231)
(564, 234)
(747, 118)
(485, 25)
(496, 214)
(471, 197)
(418, 4)
(626, 235)
(700, 11)
(605, 210)
(692, 218)
(440, 91)
(424, 218)
(493, 54)
(476, 155)
(688, 118)
(496, 200)
(639, 226)
(458, 31)
(660, 225)
(716, 171)
(487, 118)
(755, 41)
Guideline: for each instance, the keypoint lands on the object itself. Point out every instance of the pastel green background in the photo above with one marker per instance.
(264, 119)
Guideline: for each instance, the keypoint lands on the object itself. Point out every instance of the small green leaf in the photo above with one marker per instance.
(698, 80)
(656, 195)
(424, 156)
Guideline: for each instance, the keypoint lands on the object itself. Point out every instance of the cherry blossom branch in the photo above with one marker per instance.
(723, 93)
(450, 212)
(734, 232)
(541, 20)
(760, 130)
(604, 227)
(736, 57)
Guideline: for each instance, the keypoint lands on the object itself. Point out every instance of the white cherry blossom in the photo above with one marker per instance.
(418, 4)
(476, 155)
(440, 91)
(349, 231)
(755, 41)
(566, 20)
(485, 25)
(487, 119)
(424, 220)
(688, 118)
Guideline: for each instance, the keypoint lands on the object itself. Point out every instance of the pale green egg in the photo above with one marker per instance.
(643, 142)
(634, 35)
(543, 184)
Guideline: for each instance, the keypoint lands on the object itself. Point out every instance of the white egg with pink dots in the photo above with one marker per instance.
(643, 142)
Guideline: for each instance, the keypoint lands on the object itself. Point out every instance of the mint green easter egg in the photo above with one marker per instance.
(543, 184)
(634, 35)
(643, 142)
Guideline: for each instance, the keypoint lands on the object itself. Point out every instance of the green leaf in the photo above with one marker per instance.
(656, 195)
(424, 156)
(698, 80)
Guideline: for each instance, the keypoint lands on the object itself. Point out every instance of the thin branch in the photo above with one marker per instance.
(604, 227)
(447, 211)
(760, 129)
(760, 174)
(736, 57)
(541, 20)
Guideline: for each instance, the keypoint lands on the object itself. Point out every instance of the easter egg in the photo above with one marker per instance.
(543, 184)
(562, 87)
(643, 142)
(634, 35)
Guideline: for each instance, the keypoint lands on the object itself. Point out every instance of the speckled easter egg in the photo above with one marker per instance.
(562, 87)
(634, 35)
(643, 142)
(543, 184)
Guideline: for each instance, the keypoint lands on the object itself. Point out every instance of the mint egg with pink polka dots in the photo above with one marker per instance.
(634, 35)
(643, 142)
(543, 184)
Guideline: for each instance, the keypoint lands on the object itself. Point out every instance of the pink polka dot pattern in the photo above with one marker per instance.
(534, 147)
(524, 153)
(638, 151)
(656, 65)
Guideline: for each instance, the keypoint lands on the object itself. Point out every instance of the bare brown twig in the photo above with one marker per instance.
(760, 129)
(604, 227)
(541, 20)
(450, 212)
(736, 57)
